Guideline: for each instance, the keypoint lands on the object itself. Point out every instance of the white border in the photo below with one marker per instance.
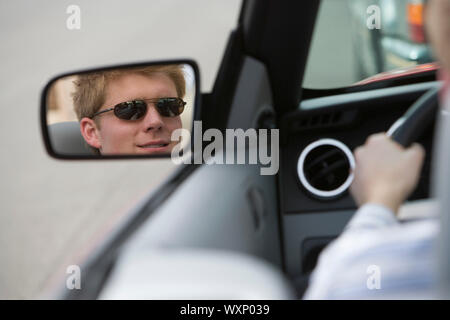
(304, 181)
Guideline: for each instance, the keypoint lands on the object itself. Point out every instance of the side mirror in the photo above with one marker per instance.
(127, 111)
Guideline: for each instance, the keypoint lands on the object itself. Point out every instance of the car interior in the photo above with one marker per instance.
(225, 231)
(66, 137)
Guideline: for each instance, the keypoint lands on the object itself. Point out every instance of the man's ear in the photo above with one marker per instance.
(90, 132)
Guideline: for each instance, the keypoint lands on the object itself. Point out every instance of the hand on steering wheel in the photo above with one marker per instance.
(413, 123)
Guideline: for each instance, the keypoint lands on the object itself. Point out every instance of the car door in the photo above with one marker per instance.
(223, 208)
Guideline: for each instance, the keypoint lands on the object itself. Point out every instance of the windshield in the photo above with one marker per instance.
(356, 39)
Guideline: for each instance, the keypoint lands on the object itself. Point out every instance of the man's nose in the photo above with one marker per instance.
(152, 120)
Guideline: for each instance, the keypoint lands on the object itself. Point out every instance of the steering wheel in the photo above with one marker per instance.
(416, 119)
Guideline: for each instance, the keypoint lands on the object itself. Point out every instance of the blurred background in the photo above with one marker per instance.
(51, 209)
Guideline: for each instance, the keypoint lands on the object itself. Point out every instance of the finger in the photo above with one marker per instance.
(357, 153)
(376, 137)
(417, 151)
(417, 154)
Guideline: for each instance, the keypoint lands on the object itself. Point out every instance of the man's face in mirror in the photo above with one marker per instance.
(148, 135)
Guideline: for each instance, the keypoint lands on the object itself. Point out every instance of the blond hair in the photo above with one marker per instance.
(90, 88)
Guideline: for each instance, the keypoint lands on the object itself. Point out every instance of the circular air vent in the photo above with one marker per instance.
(325, 168)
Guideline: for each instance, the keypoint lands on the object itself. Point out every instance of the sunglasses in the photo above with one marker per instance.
(137, 109)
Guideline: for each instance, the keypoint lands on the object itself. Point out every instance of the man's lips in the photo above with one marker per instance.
(157, 144)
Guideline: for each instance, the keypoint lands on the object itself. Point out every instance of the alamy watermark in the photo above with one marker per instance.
(374, 280)
(73, 21)
(374, 19)
(73, 280)
(234, 148)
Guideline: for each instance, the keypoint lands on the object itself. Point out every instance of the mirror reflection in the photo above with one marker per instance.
(122, 111)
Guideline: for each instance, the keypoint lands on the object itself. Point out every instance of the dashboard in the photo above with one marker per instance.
(319, 138)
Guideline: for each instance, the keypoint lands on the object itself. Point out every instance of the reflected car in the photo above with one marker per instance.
(399, 42)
